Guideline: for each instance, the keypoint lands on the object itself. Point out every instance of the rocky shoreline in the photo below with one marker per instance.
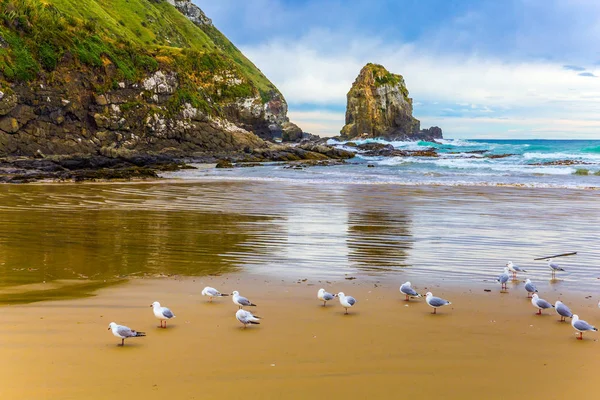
(79, 168)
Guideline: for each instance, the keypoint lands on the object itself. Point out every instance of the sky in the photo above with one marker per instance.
(511, 69)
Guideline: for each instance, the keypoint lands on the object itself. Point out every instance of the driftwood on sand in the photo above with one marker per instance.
(558, 255)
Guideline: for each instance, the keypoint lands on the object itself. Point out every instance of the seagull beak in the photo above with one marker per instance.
(109, 328)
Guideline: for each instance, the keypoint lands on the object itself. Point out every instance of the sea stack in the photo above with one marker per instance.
(379, 107)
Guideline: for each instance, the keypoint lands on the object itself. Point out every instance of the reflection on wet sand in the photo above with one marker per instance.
(100, 233)
(62, 253)
(378, 241)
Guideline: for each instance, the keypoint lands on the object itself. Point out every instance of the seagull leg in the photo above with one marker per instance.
(539, 311)
(580, 336)
(324, 303)
(434, 311)
(407, 299)
(122, 342)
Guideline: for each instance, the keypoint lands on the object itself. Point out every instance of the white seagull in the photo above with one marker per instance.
(503, 279)
(211, 293)
(581, 326)
(241, 301)
(530, 287)
(554, 267)
(346, 301)
(324, 296)
(514, 269)
(562, 310)
(540, 304)
(435, 302)
(162, 313)
(408, 291)
(246, 317)
(123, 332)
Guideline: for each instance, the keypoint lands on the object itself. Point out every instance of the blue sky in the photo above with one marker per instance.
(477, 69)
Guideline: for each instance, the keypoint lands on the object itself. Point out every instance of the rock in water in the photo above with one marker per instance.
(379, 106)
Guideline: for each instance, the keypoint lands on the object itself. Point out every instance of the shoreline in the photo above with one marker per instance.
(300, 349)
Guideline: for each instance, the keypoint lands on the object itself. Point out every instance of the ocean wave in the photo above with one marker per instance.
(477, 164)
(561, 156)
(368, 180)
(592, 149)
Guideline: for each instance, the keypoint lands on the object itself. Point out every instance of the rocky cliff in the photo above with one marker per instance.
(379, 106)
(117, 77)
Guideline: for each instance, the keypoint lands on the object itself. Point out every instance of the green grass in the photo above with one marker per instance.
(137, 36)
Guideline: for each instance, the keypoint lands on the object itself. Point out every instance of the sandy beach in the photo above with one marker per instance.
(485, 345)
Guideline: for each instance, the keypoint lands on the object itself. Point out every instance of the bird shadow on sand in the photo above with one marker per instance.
(130, 345)
(247, 331)
(350, 314)
(439, 315)
(168, 328)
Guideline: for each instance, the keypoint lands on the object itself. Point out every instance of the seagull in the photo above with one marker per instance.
(240, 300)
(581, 326)
(162, 313)
(503, 279)
(514, 269)
(346, 301)
(540, 304)
(562, 310)
(435, 302)
(408, 291)
(325, 296)
(123, 332)
(246, 317)
(212, 292)
(530, 287)
(554, 267)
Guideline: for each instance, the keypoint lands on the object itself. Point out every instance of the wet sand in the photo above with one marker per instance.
(486, 345)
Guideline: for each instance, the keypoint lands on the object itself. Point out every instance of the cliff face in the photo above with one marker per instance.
(379, 106)
(112, 77)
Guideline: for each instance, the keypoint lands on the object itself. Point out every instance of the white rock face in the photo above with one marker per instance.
(191, 11)
(161, 83)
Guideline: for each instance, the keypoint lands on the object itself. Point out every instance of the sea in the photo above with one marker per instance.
(573, 164)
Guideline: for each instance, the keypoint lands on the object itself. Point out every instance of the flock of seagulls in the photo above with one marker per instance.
(540, 304)
(246, 318)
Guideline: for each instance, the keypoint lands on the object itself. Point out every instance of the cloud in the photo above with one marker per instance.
(573, 68)
(312, 75)
(588, 74)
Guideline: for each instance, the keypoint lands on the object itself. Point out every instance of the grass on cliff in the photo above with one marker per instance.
(136, 36)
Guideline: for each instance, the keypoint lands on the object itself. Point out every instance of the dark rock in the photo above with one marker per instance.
(494, 156)
(224, 164)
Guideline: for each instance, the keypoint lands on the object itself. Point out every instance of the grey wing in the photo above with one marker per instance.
(503, 278)
(125, 331)
(437, 302)
(564, 311)
(583, 326)
(544, 304)
(244, 301)
(328, 296)
(519, 269)
(167, 313)
(351, 300)
(555, 266)
(213, 292)
(530, 287)
(409, 291)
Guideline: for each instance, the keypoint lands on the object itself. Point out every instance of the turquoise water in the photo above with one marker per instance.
(531, 163)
